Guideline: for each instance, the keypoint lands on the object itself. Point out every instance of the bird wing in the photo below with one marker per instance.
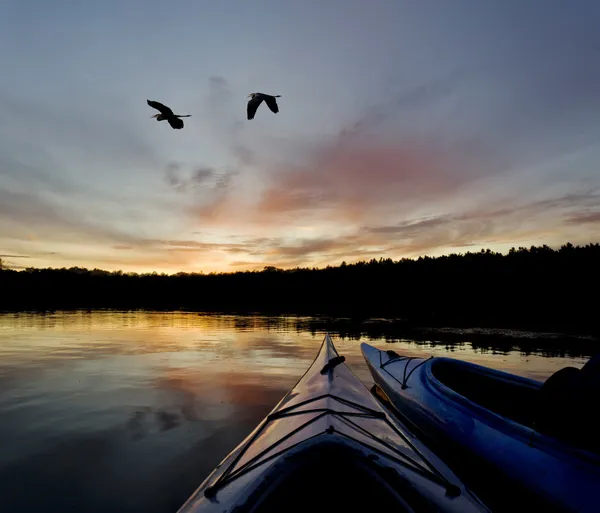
(175, 122)
(253, 105)
(272, 104)
(164, 110)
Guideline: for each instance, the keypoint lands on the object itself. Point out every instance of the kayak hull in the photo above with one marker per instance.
(558, 475)
(329, 444)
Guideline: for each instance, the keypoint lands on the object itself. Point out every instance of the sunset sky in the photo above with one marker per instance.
(406, 127)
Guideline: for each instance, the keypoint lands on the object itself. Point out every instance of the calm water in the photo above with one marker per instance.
(129, 412)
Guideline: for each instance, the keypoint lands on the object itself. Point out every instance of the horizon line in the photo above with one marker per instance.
(267, 268)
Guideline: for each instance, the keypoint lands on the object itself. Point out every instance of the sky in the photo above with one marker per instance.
(406, 128)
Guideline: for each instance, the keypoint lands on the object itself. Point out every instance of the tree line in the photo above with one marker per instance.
(537, 288)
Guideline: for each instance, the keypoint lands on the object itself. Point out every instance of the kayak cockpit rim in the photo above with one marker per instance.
(310, 466)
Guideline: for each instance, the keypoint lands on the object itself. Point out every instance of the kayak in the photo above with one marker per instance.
(493, 422)
(329, 445)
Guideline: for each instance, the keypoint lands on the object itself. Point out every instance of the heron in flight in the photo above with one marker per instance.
(257, 98)
(166, 113)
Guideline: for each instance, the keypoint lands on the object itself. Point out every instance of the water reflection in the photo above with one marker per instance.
(129, 411)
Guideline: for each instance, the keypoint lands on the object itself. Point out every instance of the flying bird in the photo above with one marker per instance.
(257, 98)
(166, 113)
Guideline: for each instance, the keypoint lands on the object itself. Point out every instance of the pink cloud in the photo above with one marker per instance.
(584, 218)
(350, 181)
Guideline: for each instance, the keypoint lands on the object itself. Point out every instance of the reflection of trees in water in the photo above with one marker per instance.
(537, 288)
(497, 341)
(397, 330)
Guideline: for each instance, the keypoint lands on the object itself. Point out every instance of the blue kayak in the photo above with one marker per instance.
(328, 446)
(522, 431)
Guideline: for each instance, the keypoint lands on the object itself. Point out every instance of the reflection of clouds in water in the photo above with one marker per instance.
(151, 460)
(144, 421)
(188, 396)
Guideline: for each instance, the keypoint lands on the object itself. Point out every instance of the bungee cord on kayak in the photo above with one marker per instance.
(394, 357)
(361, 411)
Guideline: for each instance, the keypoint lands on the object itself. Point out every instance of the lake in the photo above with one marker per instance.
(130, 411)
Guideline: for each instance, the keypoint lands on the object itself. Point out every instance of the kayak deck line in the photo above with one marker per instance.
(395, 357)
(345, 416)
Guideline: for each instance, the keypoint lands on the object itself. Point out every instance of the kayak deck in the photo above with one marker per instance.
(330, 444)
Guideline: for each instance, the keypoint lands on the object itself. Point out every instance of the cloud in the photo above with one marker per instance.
(304, 248)
(82, 132)
(197, 178)
(200, 175)
(366, 173)
(225, 117)
(553, 207)
(219, 91)
(173, 179)
(488, 225)
(422, 95)
(8, 261)
(585, 217)
(167, 254)
(283, 253)
(429, 146)
(350, 176)
(201, 181)
(526, 210)
(471, 228)
(22, 215)
(410, 228)
(246, 264)
(195, 246)
(352, 182)
(64, 173)
(32, 167)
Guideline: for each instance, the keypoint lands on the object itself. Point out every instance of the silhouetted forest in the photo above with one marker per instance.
(536, 288)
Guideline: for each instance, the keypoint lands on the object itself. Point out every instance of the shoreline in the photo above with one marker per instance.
(391, 329)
